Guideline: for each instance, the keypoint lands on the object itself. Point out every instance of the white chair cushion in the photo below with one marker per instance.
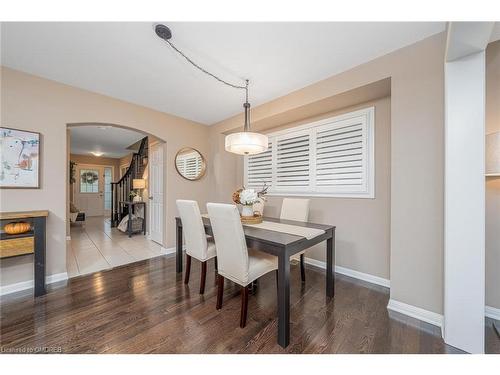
(260, 263)
(235, 261)
(211, 250)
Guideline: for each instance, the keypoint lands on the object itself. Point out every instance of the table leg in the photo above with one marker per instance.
(330, 266)
(144, 220)
(39, 229)
(129, 223)
(283, 300)
(496, 327)
(178, 240)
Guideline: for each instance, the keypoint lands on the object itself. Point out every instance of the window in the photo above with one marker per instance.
(89, 181)
(332, 157)
(107, 188)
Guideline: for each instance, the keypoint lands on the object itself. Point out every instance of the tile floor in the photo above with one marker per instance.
(96, 246)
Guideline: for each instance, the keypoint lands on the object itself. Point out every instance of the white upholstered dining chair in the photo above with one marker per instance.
(197, 245)
(296, 210)
(235, 261)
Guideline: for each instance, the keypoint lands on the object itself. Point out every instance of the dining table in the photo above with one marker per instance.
(283, 245)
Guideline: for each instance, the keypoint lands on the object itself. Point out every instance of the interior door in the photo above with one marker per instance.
(89, 196)
(156, 193)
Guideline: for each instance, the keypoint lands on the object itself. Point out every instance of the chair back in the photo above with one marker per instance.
(258, 207)
(193, 228)
(295, 209)
(232, 252)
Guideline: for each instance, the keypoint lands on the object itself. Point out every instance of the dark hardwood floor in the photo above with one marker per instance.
(492, 341)
(144, 307)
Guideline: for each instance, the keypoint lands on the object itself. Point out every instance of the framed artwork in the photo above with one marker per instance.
(19, 159)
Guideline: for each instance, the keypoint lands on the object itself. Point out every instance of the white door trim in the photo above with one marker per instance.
(157, 218)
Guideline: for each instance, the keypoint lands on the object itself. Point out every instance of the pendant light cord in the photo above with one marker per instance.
(164, 33)
(207, 72)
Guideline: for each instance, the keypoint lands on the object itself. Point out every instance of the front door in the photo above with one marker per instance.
(156, 193)
(89, 194)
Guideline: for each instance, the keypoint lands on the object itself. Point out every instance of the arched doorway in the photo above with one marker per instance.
(106, 161)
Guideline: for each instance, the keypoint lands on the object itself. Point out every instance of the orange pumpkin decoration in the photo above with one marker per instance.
(17, 228)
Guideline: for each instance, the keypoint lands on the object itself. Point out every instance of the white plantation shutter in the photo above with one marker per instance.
(189, 165)
(332, 157)
(340, 155)
(292, 162)
(258, 169)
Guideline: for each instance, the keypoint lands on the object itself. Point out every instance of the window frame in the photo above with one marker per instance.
(88, 168)
(105, 193)
(184, 167)
(368, 190)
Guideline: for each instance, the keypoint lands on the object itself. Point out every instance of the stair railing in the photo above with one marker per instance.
(120, 190)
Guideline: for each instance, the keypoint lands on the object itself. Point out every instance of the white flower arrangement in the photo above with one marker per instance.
(248, 197)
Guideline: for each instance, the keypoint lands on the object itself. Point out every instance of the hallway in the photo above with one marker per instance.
(95, 246)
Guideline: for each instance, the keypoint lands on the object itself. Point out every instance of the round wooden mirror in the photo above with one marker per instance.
(190, 163)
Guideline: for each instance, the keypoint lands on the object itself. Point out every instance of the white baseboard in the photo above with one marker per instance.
(29, 284)
(416, 312)
(166, 251)
(492, 312)
(351, 273)
(170, 250)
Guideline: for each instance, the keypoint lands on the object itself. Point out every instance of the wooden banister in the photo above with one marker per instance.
(121, 189)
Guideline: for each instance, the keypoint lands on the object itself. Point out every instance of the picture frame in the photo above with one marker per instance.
(19, 158)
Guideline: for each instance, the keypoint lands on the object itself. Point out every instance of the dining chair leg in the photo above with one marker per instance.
(203, 277)
(188, 269)
(220, 291)
(252, 287)
(216, 270)
(244, 306)
(302, 268)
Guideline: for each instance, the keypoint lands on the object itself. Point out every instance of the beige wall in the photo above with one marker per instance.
(493, 183)
(417, 160)
(37, 104)
(363, 225)
(124, 161)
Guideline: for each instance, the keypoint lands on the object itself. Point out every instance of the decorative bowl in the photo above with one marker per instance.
(255, 219)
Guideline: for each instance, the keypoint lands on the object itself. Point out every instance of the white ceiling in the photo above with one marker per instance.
(128, 61)
(495, 34)
(111, 141)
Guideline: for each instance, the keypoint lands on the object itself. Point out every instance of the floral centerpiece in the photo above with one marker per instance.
(247, 198)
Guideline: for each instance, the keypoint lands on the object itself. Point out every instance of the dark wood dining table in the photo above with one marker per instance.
(282, 245)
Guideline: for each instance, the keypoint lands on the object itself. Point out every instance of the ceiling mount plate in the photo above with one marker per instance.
(163, 31)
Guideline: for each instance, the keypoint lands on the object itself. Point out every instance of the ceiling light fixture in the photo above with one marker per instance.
(242, 143)
(97, 153)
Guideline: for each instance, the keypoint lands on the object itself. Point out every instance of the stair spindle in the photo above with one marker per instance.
(120, 190)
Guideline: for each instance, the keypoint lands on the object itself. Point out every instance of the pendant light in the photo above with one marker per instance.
(242, 143)
(246, 142)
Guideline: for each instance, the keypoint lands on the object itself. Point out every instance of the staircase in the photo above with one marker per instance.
(120, 190)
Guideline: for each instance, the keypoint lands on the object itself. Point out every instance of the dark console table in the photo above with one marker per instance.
(32, 242)
(130, 209)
